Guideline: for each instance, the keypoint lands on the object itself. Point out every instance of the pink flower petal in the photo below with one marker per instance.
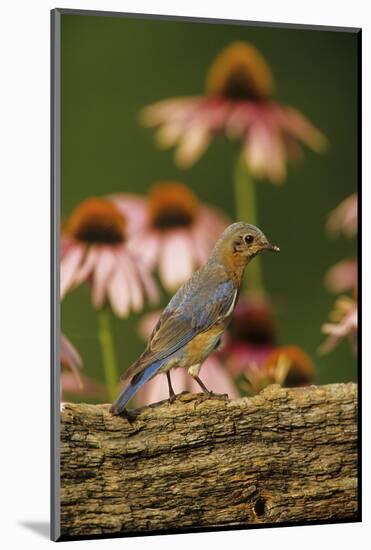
(169, 134)
(87, 266)
(70, 359)
(192, 144)
(255, 150)
(212, 114)
(148, 283)
(202, 245)
(212, 223)
(69, 354)
(87, 388)
(264, 152)
(177, 259)
(240, 118)
(70, 381)
(69, 267)
(241, 357)
(118, 293)
(346, 315)
(337, 332)
(147, 246)
(299, 126)
(131, 274)
(292, 146)
(105, 265)
(276, 169)
(134, 211)
(65, 245)
(344, 217)
(342, 276)
(174, 109)
(147, 324)
(206, 230)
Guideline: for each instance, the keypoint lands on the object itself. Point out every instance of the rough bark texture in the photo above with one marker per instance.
(286, 455)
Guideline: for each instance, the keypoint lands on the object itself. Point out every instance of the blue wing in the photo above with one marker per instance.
(207, 297)
(132, 388)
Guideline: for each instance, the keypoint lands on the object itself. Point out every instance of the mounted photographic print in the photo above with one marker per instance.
(205, 179)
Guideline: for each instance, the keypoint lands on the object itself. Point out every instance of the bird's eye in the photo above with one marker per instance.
(248, 239)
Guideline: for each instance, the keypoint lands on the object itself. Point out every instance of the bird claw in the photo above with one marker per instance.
(213, 395)
(172, 398)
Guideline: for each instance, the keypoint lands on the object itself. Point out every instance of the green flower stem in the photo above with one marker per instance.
(245, 205)
(108, 352)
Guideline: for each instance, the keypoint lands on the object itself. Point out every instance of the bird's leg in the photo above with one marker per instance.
(172, 394)
(204, 388)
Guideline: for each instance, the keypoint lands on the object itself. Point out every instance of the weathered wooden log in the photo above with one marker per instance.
(286, 455)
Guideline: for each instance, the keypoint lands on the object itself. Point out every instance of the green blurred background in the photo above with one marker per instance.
(112, 67)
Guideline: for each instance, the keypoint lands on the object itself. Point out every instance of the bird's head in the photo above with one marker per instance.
(243, 241)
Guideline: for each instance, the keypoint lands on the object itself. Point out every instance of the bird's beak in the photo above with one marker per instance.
(272, 247)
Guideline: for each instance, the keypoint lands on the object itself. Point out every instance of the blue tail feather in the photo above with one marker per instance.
(131, 389)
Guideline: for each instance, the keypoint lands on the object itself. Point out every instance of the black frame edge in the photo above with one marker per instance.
(359, 258)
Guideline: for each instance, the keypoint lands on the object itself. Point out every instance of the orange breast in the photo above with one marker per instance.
(202, 345)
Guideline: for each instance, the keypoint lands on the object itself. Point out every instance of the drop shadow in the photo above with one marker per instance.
(41, 528)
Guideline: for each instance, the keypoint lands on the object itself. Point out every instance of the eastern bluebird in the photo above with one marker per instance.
(191, 325)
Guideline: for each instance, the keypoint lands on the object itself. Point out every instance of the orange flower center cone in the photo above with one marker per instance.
(97, 221)
(171, 204)
(253, 323)
(240, 72)
(300, 368)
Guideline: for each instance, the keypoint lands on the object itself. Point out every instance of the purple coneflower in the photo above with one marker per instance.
(238, 101)
(251, 350)
(342, 276)
(288, 366)
(71, 362)
(72, 379)
(344, 323)
(95, 249)
(251, 335)
(179, 232)
(343, 219)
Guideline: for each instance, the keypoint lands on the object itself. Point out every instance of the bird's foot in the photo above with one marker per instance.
(213, 395)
